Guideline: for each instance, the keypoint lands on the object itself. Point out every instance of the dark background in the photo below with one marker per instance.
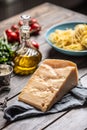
(10, 8)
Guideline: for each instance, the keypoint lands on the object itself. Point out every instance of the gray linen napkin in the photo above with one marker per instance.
(75, 98)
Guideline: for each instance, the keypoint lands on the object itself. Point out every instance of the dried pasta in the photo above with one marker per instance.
(71, 39)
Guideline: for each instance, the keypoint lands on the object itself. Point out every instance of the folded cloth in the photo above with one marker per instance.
(19, 110)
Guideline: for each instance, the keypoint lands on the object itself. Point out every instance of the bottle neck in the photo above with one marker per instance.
(24, 34)
(25, 30)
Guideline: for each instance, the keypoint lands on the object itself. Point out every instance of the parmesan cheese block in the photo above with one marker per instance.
(49, 83)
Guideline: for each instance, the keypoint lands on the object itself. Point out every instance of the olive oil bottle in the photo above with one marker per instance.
(27, 57)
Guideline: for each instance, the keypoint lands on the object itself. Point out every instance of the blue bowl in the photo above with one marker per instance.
(64, 26)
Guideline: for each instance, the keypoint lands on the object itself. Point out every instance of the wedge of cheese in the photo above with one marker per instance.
(50, 82)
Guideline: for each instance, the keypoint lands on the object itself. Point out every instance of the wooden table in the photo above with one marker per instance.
(76, 119)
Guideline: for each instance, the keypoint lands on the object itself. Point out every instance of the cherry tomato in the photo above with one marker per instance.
(14, 27)
(18, 35)
(17, 32)
(35, 44)
(14, 36)
(20, 23)
(35, 28)
(32, 20)
(8, 31)
(11, 36)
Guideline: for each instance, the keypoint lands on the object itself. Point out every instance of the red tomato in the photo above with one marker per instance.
(32, 20)
(35, 44)
(18, 35)
(14, 27)
(8, 31)
(17, 32)
(35, 28)
(14, 36)
(20, 23)
(11, 36)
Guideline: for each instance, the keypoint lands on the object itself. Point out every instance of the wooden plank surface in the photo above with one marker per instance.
(31, 123)
(47, 15)
(74, 120)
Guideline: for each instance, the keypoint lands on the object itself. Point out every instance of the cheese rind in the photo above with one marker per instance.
(50, 82)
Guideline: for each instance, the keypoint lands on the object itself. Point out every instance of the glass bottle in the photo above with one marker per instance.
(27, 57)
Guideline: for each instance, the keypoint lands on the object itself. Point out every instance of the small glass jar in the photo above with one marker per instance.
(27, 57)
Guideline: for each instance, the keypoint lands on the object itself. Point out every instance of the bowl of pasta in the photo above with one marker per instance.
(68, 38)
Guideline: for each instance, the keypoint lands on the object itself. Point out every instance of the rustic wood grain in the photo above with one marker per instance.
(47, 15)
(29, 123)
(74, 120)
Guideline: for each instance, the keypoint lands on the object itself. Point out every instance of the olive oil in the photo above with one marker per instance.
(27, 57)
